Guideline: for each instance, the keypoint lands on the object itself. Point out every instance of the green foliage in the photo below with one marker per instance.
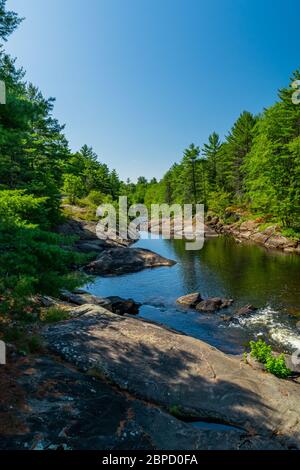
(36, 168)
(218, 201)
(260, 350)
(32, 260)
(25, 342)
(292, 233)
(53, 314)
(275, 365)
(8, 21)
(257, 167)
(73, 187)
(175, 410)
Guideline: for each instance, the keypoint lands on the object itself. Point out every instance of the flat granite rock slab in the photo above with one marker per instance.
(50, 405)
(171, 369)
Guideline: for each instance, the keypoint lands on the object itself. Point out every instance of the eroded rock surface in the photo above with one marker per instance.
(168, 368)
(118, 261)
(49, 405)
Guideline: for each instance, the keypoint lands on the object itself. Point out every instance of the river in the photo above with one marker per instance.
(246, 273)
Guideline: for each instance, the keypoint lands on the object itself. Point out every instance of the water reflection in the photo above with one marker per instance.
(246, 273)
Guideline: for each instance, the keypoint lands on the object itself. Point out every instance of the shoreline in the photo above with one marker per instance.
(129, 363)
(251, 231)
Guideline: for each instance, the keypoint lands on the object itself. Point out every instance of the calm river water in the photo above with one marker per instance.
(245, 273)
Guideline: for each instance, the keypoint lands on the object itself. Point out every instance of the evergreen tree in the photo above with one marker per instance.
(211, 152)
(237, 146)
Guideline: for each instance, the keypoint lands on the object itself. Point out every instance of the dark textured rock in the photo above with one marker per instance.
(114, 304)
(212, 304)
(168, 368)
(83, 230)
(125, 260)
(121, 306)
(92, 245)
(88, 239)
(51, 406)
(190, 300)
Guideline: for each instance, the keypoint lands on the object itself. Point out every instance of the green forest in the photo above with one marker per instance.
(255, 169)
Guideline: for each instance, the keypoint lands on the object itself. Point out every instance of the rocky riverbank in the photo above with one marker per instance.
(107, 381)
(253, 231)
(112, 256)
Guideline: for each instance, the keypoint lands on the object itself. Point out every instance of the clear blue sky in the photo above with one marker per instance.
(139, 80)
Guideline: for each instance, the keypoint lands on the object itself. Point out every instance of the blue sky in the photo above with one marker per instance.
(139, 80)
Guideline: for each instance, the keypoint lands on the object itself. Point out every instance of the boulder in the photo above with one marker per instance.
(212, 304)
(168, 368)
(118, 261)
(121, 306)
(190, 300)
(259, 238)
(114, 304)
(277, 241)
(248, 226)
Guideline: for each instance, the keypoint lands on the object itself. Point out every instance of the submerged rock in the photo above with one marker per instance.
(118, 261)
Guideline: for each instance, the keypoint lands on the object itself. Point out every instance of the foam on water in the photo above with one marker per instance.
(271, 323)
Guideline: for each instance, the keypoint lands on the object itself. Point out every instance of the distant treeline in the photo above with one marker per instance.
(256, 170)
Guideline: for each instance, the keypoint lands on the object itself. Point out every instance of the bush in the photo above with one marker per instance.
(53, 314)
(260, 350)
(32, 260)
(263, 353)
(294, 234)
(277, 366)
(73, 187)
(25, 343)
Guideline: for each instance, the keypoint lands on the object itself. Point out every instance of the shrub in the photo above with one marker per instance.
(53, 314)
(25, 343)
(32, 260)
(260, 350)
(175, 410)
(275, 365)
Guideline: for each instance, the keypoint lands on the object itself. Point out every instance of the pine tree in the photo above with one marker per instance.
(237, 146)
(211, 152)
